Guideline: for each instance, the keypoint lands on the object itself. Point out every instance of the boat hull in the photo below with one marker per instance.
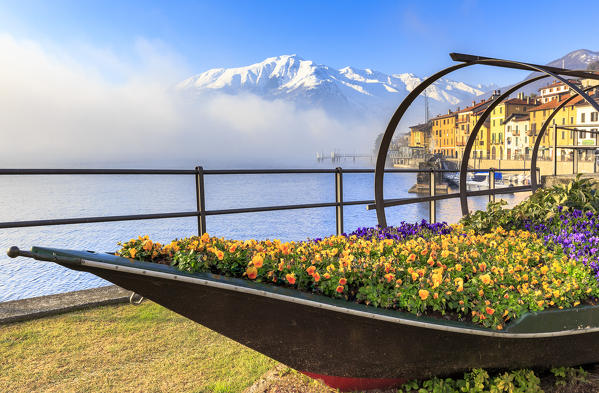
(351, 344)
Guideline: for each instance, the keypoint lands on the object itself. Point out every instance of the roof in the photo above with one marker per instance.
(519, 101)
(452, 114)
(421, 127)
(559, 83)
(516, 117)
(582, 102)
(476, 106)
(554, 104)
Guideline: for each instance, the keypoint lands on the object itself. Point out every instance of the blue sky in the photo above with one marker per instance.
(389, 36)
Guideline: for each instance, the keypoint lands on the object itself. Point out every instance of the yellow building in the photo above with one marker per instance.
(420, 136)
(565, 117)
(444, 134)
(480, 149)
(466, 119)
(498, 115)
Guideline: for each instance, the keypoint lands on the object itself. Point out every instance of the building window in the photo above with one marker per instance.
(594, 116)
(582, 117)
(583, 134)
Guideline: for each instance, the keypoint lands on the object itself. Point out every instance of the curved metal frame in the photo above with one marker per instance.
(535, 151)
(395, 119)
(474, 134)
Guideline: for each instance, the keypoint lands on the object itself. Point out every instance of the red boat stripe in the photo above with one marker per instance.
(346, 384)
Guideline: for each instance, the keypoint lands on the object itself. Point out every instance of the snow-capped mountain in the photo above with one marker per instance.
(345, 90)
(576, 60)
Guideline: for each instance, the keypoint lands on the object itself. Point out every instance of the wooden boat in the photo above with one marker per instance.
(347, 345)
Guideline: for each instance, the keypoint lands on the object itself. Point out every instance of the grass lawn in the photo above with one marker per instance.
(123, 348)
(148, 348)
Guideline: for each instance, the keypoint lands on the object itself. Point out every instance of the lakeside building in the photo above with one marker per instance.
(420, 137)
(564, 117)
(480, 149)
(498, 117)
(587, 118)
(555, 90)
(510, 132)
(443, 131)
(466, 120)
(516, 137)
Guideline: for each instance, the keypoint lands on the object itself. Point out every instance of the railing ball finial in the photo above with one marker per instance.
(13, 252)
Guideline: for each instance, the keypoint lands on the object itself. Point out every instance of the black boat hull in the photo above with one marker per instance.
(327, 337)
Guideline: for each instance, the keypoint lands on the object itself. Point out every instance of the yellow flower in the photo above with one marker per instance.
(423, 293)
(257, 261)
(486, 279)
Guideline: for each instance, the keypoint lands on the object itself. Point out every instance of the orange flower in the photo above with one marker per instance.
(411, 258)
(132, 252)
(490, 311)
(311, 270)
(233, 248)
(290, 278)
(220, 255)
(430, 261)
(339, 289)
(423, 293)
(327, 276)
(148, 245)
(205, 237)
(316, 277)
(389, 277)
(257, 261)
(251, 272)
(342, 281)
(485, 278)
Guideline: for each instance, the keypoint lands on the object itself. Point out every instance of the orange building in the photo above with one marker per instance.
(565, 117)
(444, 134)
(466, 119)
(420, 136)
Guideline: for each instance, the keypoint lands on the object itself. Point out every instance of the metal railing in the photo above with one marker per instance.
(201, 212)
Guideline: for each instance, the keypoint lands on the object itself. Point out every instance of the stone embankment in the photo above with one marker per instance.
(25, 309)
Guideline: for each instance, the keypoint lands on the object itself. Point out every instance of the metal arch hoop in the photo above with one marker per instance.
(474, 134)
(386, 140)
(535, 151)
(379, 171)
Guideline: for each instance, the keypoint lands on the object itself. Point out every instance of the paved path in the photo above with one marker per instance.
(25, 309)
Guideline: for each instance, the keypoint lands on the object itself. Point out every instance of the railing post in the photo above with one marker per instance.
(432, 206)
(491, 184)
(555, 150)
(200, 200)
(339, 200)
(575, 154)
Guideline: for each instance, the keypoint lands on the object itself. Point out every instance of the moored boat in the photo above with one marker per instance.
(349, 346)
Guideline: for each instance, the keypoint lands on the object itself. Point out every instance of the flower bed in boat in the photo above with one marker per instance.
(491, 268)
(488, 279)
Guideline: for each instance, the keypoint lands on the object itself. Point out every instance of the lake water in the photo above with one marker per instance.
(58, 196)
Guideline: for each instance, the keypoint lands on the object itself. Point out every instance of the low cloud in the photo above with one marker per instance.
(59, 110)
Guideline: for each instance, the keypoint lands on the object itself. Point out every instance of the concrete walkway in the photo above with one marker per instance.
(25, 309)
